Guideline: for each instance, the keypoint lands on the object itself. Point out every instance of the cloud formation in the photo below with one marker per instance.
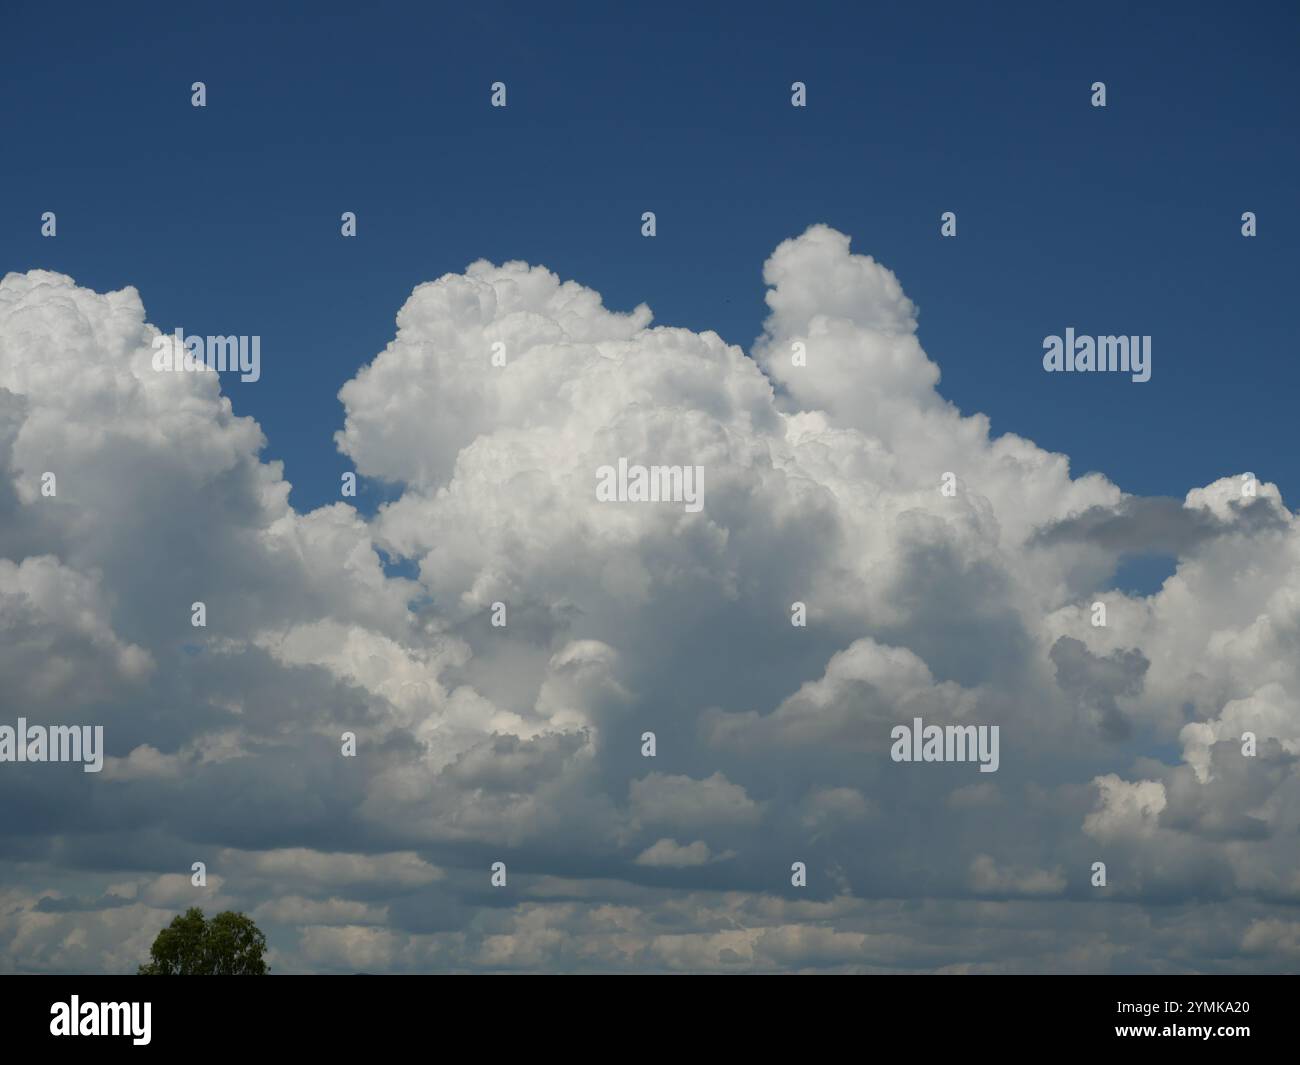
(523, 743)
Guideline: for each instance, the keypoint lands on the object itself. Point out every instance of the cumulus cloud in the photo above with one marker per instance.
(522, 743)
(671, 854)
(987, 878)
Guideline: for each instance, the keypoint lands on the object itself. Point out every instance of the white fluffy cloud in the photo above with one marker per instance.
(522, 743)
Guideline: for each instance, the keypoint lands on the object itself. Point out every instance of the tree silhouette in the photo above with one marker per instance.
(228, 945)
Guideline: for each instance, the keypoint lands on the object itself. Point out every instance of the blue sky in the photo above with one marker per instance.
(1121, 738)
(1120, 220)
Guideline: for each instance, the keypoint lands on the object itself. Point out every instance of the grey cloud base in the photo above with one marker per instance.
(475, 744)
